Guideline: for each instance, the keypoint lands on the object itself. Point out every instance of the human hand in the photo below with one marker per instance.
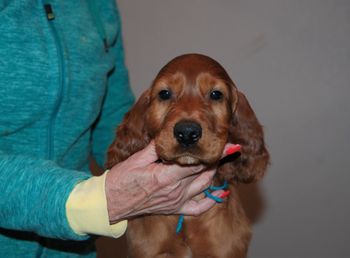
(139, 186)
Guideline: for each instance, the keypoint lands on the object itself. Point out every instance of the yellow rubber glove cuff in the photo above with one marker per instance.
(86, 209)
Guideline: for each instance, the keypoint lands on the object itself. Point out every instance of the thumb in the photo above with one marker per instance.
(147, 155)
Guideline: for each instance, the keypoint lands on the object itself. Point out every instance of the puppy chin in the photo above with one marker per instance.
(183, 160)
(175, 154)
(187, 160)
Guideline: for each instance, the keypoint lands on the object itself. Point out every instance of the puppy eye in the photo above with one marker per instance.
(216, 95)
(164, 94)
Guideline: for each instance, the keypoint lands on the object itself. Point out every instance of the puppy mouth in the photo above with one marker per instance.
(183, 160)
(186, 156)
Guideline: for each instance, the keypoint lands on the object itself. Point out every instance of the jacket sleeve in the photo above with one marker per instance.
(34, 194)
(87, 211)
(118, 100)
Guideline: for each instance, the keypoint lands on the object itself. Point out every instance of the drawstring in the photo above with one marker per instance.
(99, 25)
(207, 194)
(215, 188)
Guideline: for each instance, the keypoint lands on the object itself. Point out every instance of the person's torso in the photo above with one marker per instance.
(53, 72)
(53, 75)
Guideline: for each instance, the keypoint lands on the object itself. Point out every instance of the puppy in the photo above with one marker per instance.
(191, 111)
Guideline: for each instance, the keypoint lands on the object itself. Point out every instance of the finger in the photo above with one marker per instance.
(195, 208)
(201, 183)
(147, 155)
(230, 148)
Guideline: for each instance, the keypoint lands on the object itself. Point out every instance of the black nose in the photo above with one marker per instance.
(187, 133)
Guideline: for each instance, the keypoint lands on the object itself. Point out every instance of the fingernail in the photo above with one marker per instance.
(233, 149)
(224, 194)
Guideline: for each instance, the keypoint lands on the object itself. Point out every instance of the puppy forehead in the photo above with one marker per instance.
(174, 82)
(179, 83)
(192, 70)
(207, 82)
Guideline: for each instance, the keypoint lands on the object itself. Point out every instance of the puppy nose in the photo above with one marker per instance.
(187, 133)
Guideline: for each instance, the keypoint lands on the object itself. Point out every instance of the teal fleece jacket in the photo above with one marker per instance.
(63, 90)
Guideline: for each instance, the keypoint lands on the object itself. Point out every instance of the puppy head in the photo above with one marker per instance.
(191, 111)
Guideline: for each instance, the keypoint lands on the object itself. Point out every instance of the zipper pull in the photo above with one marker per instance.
(49, 13)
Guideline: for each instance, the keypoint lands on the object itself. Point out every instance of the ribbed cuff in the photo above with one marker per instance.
(86, 209)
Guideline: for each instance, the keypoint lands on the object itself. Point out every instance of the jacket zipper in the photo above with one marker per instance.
(62, 72)
(50, 144)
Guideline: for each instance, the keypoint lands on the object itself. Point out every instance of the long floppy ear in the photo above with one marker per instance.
(246, 131)
(131, 135)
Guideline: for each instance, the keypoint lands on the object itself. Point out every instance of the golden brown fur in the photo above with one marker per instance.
(223, 231)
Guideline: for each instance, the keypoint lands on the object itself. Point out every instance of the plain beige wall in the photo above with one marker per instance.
(292, 59)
